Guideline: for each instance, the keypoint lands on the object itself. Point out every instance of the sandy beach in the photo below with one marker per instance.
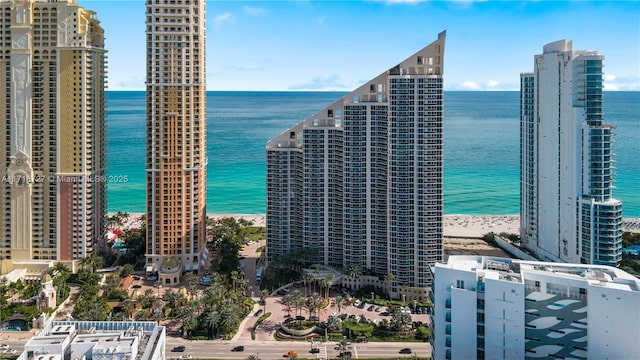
(455, 226)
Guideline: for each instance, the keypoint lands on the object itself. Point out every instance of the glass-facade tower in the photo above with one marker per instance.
(567, 160)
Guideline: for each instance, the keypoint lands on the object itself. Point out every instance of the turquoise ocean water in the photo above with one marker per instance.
(481, 148)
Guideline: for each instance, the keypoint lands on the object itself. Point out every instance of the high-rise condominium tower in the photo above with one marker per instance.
(360, 182)
(567, 212)
(176, 136)
(53, 189)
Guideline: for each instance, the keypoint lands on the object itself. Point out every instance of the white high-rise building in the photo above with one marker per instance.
(568, 213)
(498, 308)
(359, 183)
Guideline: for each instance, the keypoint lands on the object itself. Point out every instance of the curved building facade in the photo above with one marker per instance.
(568, 213)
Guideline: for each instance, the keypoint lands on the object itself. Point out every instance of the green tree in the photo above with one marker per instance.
(126, 270)
(339, 302)
(227, 238)
(401, 321)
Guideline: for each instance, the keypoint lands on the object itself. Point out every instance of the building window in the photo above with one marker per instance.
(460, 284)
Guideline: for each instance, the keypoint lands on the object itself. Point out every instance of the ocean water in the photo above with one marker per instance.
(481, 148)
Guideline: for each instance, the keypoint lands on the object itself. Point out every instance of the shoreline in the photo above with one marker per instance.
(455, 225)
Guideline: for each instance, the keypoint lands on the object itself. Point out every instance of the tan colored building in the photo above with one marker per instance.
(176, 137)
(52, 125)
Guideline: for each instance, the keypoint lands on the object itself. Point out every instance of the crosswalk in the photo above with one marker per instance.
(322, 355)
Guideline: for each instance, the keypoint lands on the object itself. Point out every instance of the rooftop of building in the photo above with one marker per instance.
(373, 91)
(104, 338)
(519, 270)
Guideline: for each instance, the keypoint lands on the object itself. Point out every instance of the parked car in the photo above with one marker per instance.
(385, 313)
(257, 313)
(377, 309)
(178, 349)
(405, 351)
(371, 307)
(238, 348)
(4, 346)
(152, 278)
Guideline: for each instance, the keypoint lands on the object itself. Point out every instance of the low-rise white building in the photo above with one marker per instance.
(98, 340)
(498, 308)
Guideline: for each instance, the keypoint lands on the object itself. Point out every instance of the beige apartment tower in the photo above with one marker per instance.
(52, 125)
(176, 137)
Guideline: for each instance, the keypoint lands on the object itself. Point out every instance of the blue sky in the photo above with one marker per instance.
(337, 45)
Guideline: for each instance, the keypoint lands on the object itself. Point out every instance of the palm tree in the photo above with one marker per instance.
(315, 303)
(171, 298)
(127, 307)
(189, 316)
(213, 318)
(84, 262)
(339, 302)
(298, 304)
(334, 322)
(287, 302)
(324, 285)
(96, 262)
(307, 279)
(230, 315)
(343, 344)
(330, 278)
(190, 279)
(60, 270)
(252, 357)
(401, 321)
(316, 271)
(263, 299)
(354, 271)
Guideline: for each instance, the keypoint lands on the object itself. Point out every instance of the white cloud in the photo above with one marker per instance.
(470, 85)
(330, 82)
(218, 20)
(489, 85)
(253, 10)
(621, 83)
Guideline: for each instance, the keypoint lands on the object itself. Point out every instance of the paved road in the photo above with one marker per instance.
(276, 349)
